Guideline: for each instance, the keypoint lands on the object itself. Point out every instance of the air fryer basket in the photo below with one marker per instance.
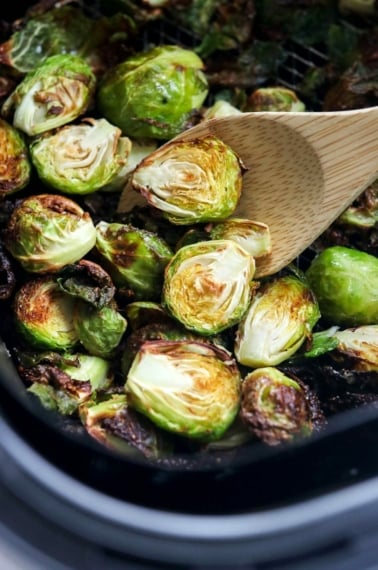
(247, 506)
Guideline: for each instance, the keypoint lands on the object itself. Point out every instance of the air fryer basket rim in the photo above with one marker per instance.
(183, 538)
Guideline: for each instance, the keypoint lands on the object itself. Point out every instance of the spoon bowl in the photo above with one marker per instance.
(303, 170)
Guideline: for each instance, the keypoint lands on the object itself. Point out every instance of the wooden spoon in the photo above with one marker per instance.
(304, 170)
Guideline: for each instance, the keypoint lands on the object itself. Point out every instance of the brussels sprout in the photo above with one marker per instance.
(253, 236)
(80, 158)
(88, 281)
(58, 91)
(71, 382)
(135, 258)
(345, 282)
(191, 181)
(46, 232)
(277, 408)
(220, 109)
(44, 315)
(361, 7)
(15, 165)
(361, 345)
(99, 330)
(208, 285)
(154, 94)
(279, 320)
(112, 423)
(274, 99)
(63, 29)
(188, 388)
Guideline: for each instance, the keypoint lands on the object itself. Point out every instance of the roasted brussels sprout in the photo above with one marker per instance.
(220, 108)
(100, 331)
(80, 158)
(115, 425)
(361, 345)
(58, 91)
(208, 285)
(135, 258)
(277, 408)
(189, 388)
(191, 181)
(63, 29)
(154, 94)
(44, 315)
(64, 385)
(46, 232)
(88, 281)
(274, 99)
(280, 318)
(253, 236)
(14, 158)
(361, 7)
(345, 282)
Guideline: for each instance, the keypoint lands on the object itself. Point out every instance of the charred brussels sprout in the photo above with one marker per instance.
(66, 384)
(253, 236)
(46, 232)
(100, 330)
(277, 408)
(220, 109)
(14, 159)
(189, 388)
(155, 93)
(80, 158)
(274, 99)
(58, 91)
(115, 425)
(135, 258)
(191, 181)
(208, 285)
(44, 315)
(279, 320)
(345, 282)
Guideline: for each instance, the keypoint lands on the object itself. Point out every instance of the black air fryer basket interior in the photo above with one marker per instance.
(258, 479)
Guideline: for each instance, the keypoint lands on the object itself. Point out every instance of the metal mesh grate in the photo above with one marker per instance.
(300, 59)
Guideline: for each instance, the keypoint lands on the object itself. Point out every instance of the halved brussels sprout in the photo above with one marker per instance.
(80, 158)
(55, 93)
(277, 408)
(135, 258)
(99, 330)
(208, 285)
(15, 167)
(115, 425)
(253, 236)
(45, 232)
(345, 282)
(191, 181)
(153, 94)
(189, 388)
(279, 320)
(361, 345)
(275, 98)
(44, 315)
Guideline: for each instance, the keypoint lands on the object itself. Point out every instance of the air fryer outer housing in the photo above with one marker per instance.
(67, 503)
